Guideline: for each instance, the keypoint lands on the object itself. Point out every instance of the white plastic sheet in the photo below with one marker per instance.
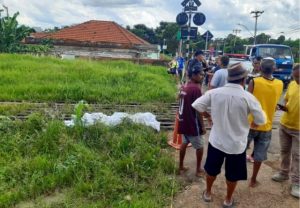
(147, 119)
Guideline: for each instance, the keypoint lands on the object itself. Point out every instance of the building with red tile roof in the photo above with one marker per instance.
(97, 39)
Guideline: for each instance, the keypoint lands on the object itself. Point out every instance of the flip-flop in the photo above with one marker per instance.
(200, 173)
(230, 205)
(255, 185)
(205, 198)
(250, 158)
(180, 171)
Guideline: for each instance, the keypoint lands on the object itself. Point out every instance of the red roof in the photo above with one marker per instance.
(95, 31)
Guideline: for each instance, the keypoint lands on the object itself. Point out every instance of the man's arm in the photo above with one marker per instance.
(202, 103)
(215, 81)
(200, 118)
(251, 86)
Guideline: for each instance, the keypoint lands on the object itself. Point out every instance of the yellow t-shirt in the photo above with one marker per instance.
(268, 93)
(174, 64)
(290, 119)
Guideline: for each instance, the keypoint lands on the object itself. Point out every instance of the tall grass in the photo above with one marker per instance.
(24, 77)
(121, 166)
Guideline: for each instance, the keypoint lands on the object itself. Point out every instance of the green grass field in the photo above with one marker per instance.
(99, 166)
(127, 166)
(28, 78)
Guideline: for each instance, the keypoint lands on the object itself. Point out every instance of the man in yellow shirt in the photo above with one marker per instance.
(267, 90)
(289, 135)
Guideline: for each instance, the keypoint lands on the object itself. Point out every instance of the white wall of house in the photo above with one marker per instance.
(96, 52)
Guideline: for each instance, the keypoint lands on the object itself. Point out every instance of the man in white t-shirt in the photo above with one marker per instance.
(219, 79)
(230, 107)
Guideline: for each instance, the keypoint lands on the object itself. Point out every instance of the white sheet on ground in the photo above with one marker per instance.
(147, 119)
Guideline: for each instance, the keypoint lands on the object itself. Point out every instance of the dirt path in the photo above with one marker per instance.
(268, 194)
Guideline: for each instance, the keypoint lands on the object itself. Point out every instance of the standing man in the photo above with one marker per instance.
(289, 135)
(218, 64)
(230, 106)
(254, 73)
(220, 77)
(256, 68)
(191, 124)
(267, 90)
(181, 62)
(198, 59)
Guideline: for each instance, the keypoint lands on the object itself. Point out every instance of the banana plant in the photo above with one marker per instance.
(11, 33)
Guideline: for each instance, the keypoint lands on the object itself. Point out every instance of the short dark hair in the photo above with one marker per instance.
(267, 66)
(297, 66)
(197, 53)
(258, 58)
(238, 81)
(225, 60)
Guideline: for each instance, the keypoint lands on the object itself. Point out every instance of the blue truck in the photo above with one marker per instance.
(282, 55)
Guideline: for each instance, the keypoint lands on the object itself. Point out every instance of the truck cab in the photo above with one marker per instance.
(282, 55)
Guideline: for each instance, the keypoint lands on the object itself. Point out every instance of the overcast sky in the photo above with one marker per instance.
(222, 16)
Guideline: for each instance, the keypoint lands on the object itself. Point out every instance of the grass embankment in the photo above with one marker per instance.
(122, 166)
(28, 78)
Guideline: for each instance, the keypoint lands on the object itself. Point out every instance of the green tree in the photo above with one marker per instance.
(262, 38)
(144, 32)
(281, 39)
(11, 33)
(168, 31)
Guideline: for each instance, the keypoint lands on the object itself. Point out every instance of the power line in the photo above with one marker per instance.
(294, 25)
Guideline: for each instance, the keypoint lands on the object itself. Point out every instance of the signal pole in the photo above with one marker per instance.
(191, 3)
(256, 15)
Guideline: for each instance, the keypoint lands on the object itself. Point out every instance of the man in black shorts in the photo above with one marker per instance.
(230, 106)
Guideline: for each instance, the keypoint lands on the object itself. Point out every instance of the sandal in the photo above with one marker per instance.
(200, 173)
(205, 198)
(231, 205)
(250, 158)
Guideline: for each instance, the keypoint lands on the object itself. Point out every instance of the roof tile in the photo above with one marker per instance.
(95, 31)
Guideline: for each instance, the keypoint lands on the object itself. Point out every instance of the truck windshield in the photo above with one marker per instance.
(275, 52)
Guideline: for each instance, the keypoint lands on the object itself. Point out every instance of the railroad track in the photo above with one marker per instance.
(165, 112)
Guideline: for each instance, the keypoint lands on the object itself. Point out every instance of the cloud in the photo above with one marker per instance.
(110, 3)
(222, 16)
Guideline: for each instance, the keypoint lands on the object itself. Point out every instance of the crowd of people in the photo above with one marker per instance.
(239, 116)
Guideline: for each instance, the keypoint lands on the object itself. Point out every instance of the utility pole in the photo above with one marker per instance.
(236, 31)
(180, 48)
(206, 41)
(256, 15)
(224, 44)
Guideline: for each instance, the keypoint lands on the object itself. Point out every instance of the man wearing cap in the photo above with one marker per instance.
(219, 79)
(197, 59)
(190, 121)
(267, 90)
(230, 107)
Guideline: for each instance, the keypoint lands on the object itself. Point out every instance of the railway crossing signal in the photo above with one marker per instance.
(184, 19)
